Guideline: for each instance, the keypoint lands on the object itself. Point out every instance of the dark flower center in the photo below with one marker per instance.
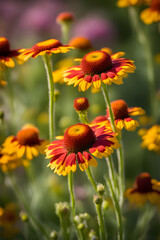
(28, 136)
(143, 183)
(96, 62)
(155, 5)
(4, 46)
(119, 108)
(79, 138)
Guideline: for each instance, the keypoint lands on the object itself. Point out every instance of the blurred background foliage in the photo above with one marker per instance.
(25, 23)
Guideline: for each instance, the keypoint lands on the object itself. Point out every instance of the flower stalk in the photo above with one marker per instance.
(36, 224)
(143, 39)
(48, 67)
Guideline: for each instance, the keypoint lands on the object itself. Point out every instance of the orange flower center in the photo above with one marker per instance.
(78, 138)
(96, 62)
(4, 45)
(119, 108)
(80, 43)
(81, 104)
(28, 136)
(47, 45)
(143, 183)
(155, 5)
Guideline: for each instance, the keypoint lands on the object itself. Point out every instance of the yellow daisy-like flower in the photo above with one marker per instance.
(122, 115)
(6, 54)
(80, 143)
(151, 14)
(62, 66)
(127, 3)
(151, 138)
(97, 67)
(145, 189)
(46, 47)
(9, 162)
(26, 144)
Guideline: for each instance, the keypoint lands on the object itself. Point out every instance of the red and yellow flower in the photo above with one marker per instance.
(127, 3)
(97, 67)
(26, 144)
(80, 143)
(151, 138)
(145, 189)
(151, 14)
(65, 17)
(122, 115)
(46, 47)
(81, 104)
(6, 54)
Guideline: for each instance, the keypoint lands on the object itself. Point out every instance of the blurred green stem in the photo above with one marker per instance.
(83, 116)
(71, 191)
(144, 41)
(108, 103)
(37, 225)
(48, 67)
(117, 210)
(90, 176)
(111, 171)
(101, 222)
(65, 28)
(120, 171)
(119, 151)
(145, 217)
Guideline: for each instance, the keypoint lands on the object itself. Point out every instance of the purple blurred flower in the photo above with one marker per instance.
(98, 30)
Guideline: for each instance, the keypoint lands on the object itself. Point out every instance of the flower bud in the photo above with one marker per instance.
(97, 200)
(101, 189)
(81, 104)
(54, 235)
(23, 216)
(62, 208)
(92, 235)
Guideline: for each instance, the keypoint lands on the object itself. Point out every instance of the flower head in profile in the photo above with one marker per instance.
(65, 17)
(145, 189)
(151, 138)
(46, 47)
(81, 43)
(151, 14)
(6, 54)
(127, 3)
(80, 144)
(26, 144)
(122, 115)
(97, 67)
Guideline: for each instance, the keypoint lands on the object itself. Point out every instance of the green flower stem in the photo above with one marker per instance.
(101, 222)
(48, 67)
(65, 233)
(144, 41)
(119, 151)
(65, 27)
(121, 172)
(90, 176)
(117, 210)
(71, 191)
(83, 116)
(111, 171)
(107, 100)
(36, 224)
